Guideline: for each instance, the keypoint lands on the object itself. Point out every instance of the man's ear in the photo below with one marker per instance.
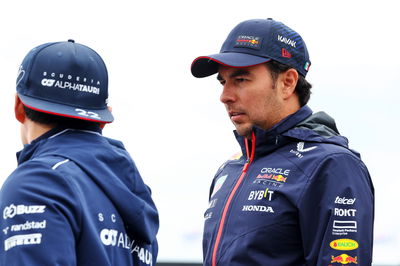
(102, 125)
(289, 80)
(19, 110)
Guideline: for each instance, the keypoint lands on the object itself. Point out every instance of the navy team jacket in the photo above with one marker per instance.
(297, 196)
(76, 198)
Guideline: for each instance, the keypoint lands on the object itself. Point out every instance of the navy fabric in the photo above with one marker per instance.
(253, 42)
(77, 198)
(306, 199)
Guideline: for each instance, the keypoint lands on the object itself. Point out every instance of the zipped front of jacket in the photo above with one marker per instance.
(250, 157)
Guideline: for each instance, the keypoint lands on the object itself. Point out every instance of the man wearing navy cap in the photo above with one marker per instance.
(297, 195)
(76, 197)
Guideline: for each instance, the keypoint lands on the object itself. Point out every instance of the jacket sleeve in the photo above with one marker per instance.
(337, 213)
(40, 218)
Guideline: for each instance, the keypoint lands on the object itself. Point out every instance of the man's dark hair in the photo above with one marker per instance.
(303, 88)
(55, 120)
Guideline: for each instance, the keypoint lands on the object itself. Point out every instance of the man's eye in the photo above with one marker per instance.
(222, 82)
(240, 79)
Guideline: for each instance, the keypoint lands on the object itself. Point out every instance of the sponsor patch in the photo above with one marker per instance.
(343, 228)
(248, 41)
(12, 210)
(301, 149)
(270, 176)
(345, 212)
(344, 200)
(344, 259)
(286, 53)
(260, 194)
(218, 184)
(113, 238)
(287, 41)
(257, 208)
(22, 240)
(344, 244)
(28, 225)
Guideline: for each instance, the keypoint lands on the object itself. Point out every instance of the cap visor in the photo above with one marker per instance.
(205, 66)
(94, 115)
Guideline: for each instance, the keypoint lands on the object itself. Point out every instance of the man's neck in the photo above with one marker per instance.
(31, 130)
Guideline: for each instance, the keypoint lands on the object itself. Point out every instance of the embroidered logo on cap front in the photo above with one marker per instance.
(247, 41)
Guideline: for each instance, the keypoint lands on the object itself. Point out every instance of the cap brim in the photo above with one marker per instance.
(204, 66)
(94, 115)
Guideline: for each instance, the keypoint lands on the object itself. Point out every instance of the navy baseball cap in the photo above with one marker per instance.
(253, 42)
(65, 79)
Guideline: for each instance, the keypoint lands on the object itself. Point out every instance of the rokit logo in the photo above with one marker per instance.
(12, 210)
(345, 212)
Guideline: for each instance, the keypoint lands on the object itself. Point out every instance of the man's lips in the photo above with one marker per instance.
(236, 116)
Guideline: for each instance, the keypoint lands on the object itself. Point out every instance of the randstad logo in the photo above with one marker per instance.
(48, 82)
(344, 244)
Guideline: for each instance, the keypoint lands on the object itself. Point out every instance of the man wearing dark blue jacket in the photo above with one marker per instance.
(76, 197)
(297, 195)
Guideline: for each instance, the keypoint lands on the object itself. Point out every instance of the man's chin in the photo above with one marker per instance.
(244, 131)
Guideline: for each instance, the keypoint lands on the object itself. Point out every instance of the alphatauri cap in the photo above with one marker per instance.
(253, 42)
(66, 79)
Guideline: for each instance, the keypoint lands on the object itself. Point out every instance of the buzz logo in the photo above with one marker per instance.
(12, 210)
(48, 82)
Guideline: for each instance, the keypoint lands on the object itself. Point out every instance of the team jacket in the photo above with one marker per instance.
(298, 196)
(76, 198)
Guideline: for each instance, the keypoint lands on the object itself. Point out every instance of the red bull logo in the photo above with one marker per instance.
(249, 41)
(344, 259)
(279, 178)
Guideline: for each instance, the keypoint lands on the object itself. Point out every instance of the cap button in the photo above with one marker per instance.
(70, 40)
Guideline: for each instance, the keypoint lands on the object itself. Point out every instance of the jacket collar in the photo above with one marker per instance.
(269, 140)
(29, 149)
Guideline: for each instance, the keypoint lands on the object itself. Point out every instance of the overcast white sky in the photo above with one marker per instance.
(174, 125)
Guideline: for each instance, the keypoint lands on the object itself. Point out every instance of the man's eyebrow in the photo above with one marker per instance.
(238, 72)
